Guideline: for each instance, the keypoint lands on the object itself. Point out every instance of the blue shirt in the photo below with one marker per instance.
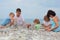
(53, 25)
(6, 21)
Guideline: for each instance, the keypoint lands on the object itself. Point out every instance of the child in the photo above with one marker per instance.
(46, 23)
(9, 21)
(36, 24)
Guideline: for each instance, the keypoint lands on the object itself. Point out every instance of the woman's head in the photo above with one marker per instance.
(46, 18)
(51, 13)
(36, 21)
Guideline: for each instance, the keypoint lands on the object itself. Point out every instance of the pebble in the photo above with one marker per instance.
(27, 34)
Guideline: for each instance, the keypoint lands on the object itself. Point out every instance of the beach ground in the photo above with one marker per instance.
(27, 34)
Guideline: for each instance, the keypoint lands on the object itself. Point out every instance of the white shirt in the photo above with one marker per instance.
(19, 20)
(46, 23)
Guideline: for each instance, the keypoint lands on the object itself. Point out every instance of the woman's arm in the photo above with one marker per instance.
(56, 24)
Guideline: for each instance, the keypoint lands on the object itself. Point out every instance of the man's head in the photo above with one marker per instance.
(18, 12)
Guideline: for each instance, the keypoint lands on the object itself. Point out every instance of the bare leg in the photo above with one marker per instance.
(1, 27)
(46, 28)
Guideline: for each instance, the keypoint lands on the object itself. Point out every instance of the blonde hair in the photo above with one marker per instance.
(11, 13)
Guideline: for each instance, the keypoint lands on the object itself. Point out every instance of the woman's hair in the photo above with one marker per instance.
(46, 17)
(37, 21)
(51, 12)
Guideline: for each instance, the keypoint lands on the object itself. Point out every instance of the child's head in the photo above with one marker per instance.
(36, 21)
(46, 18)
(18, 12)
(11, 15)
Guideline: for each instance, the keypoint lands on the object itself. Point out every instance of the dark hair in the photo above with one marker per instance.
(18, 10)
(51, 12)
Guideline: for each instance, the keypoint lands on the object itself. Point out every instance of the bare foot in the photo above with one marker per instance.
(2, 27)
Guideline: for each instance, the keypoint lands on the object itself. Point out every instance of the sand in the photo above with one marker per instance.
(22, 33)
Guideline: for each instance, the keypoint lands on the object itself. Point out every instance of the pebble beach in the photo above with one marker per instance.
(22, 33)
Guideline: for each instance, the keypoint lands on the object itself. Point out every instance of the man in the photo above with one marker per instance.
(19, 18)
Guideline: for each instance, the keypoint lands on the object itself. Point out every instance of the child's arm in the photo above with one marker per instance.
(44, 25)
(49, 25)
(12, 22)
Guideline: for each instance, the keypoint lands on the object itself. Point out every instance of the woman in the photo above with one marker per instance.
(55, 24)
